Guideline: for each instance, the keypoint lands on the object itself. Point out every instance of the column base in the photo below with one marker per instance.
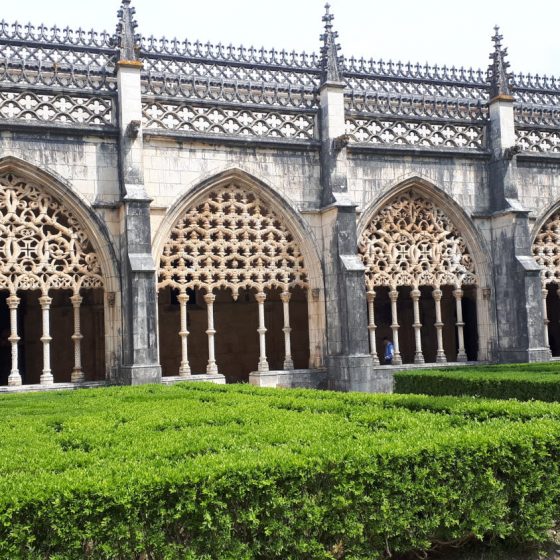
(185, 372)
(139, 375)
(288, 364)
(77, 376)
(441, 358)
(263, 366)
(46, 379)
(212, 369)
(14, 380)
(419, 358)
(462, 357)
(397, 360)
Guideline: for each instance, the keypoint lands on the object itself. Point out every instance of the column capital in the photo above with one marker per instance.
(183, 297)
(209, 298)
(458, 293)
(415, 294)
(285, 297)
(370, 295)
(13, 301)
(76, 300)
(45, 301)
(260, 297)
(437, 294)
(394, 294)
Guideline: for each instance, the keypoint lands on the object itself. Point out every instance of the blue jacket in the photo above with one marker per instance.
(389, 351)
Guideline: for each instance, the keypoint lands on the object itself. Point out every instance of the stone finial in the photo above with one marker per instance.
(126, 38)
(498, 76)
(329, 51)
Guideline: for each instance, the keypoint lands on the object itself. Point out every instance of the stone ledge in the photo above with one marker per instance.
(290, 379)
(53, 387)
(172, 379)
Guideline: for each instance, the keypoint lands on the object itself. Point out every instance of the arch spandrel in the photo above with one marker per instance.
(230, 238)
(410, 241)
(42, 244)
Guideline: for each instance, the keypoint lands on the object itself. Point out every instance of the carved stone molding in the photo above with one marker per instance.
(411, 242)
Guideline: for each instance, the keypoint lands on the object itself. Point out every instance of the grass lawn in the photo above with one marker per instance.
(198, 471)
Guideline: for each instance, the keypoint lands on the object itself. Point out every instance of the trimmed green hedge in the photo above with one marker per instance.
(517, 381)
(207, 472)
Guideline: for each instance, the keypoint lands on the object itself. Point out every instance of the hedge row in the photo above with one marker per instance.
(206, 472)
(519, 381)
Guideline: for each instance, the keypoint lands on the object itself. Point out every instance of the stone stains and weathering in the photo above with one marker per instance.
(233, 214)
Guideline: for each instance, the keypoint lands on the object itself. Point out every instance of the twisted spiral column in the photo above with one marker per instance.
(47, 376)
(263, 362)
(77, 373)
(417, 325)
(184, 368)
(461, 354)
(211, 368)
(288, 361)
(440, 354)
(372, 327)
(397, 359)
(14, 379)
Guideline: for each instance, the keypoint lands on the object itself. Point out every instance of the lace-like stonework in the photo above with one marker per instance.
(546, 249)
(42, 245)
(411, 242)
(231, 240)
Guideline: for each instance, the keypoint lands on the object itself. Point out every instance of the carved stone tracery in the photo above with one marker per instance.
(546, 249)
(411, 242)
(42, 245)
(231, 240)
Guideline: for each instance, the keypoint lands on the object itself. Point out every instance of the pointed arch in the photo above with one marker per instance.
(444, 206)
(545, 244)
(279, 207)
(75, 208)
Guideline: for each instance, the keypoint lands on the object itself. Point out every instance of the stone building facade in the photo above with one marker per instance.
(185, 210)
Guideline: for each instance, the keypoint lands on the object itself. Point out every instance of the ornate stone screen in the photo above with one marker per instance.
(231, 240)
(42, 247)
(411, 242)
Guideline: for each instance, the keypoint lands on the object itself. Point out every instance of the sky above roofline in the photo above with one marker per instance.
(435, 31)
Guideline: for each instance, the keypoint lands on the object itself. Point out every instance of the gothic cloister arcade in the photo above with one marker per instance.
(546, 250)
(421, 279)
(236, 284)
(54, 274)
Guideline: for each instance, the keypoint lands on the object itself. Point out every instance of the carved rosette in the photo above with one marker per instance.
(411, 242)
(546, 249)
(231, 240)
(42, 245)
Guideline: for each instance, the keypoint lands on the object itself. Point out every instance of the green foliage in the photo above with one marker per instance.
(516, 381)
(203, 472)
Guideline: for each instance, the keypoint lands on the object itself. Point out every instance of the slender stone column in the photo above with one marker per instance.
(184, 368)
(77, 373)
(440, 355)
(263, 362)
(394, 295)
(418, 355)
(47, 376)
(461, 354)
(288, 361)
(545, 317)
(211, 368)
(14, 379)
(372, 327)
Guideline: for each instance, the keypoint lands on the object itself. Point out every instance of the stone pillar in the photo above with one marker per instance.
(545, 316)
(47, 376)
(461, 354)
(288, 361)
(417, 325)
(263, 362)
(518, 296)
(14, 379)
(349, 362)
(184, 368)
(211, 368)
(394, 296)
(440, 354)
(372, 327)
(77, 373)
(139, 303)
